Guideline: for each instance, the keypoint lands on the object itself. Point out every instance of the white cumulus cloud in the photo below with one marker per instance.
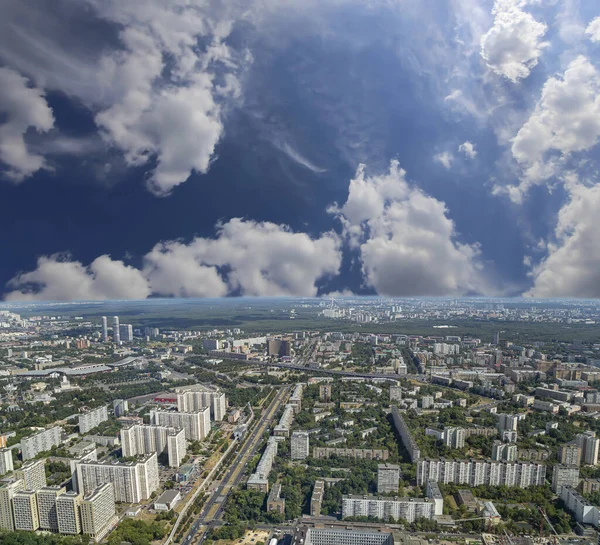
(468, 148)
(57, 278)
(408, 244)
(245, 257)
(445, 158)
(23, 107)
(513, 45)
(157, 92)
(572, 267)
(566, 120)
(593, 30)
(258, 259)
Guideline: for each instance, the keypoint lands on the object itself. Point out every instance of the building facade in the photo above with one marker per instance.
(40, 442)
(300, 445)
(477, 472)
(563, 475)
(33, 474)
(196, 424)
(68, 513)
(146, 439)
(98, 512)
(133, 481)
(89, 420)
(387, 509)
(388, 478)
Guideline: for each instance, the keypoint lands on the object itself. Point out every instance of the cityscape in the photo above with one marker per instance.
(300, 272)
(115, 430)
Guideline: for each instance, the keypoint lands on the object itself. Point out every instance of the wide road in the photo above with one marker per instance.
(215, 505)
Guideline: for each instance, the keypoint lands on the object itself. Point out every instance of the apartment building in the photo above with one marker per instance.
(327, 536)
(296, 398)
(25, 510)
(283, 427)
(68, 513)
(300, 445)
(451, 437)
(563, 475)
(190, 401)
(98, 512)
(508, 422)
(408, 509)
(146, 439)
(46, 505)
(388, 478)
(120, 407)
(275, 502)
(583, 511)
(589, 445)
(133, 481)
(90, 419)
(356, 453)
(259, 480)
(404, 432)
(6, 461)
(40, 442)
(569, 455)
(7, 493)
(196, 423)
(477, 472)
(504, 452)
(316, 499)
(33, 474)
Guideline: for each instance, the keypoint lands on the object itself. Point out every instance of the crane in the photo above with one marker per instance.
(545, 517)
(510, 541)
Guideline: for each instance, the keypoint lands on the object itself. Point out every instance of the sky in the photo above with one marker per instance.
(200, 148)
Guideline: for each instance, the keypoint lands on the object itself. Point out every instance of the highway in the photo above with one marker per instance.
(215, 505)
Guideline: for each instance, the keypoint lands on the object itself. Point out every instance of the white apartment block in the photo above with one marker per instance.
(408, 509)
(326, 536)
(33, 474)
(196, 424)
(68, 513)
(7, 493)
(395, 393)
(504, 452)
(451, 437)
(144, 439)
(388, 478)
(6, 461)
(589, 445)
(283, 428)
(477, 472)
(508, 422)
(563, 475)
(89, 420)
(98, 512)
(25, 510)
(133, 481)
(40, 442)
(404, 431)
(583, 511)
(195, 400)
(259, 480)
(296, 398)
(300, 445)
(46, 504)
(120, 407)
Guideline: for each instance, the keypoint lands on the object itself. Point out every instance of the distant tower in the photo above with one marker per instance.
(497, 338)
(104, 329)
(116, 332)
